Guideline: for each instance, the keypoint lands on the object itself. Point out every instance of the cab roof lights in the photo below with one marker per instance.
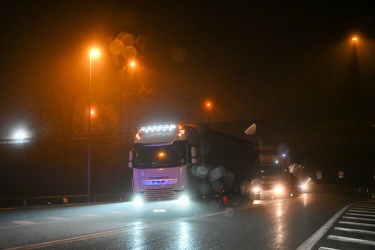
(158, 128)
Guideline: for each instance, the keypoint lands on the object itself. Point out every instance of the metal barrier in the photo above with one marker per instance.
(43, 201)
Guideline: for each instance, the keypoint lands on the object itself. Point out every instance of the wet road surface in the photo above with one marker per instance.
(266, 224)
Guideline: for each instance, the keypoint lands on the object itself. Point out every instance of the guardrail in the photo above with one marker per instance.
(43, 201)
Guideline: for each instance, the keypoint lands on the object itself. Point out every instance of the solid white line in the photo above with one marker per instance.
(351, 240)
(310, 242)
(352, 230)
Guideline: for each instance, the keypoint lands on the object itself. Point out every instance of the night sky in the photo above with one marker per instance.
(289, 62)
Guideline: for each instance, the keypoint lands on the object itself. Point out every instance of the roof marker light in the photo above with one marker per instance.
(158, 128)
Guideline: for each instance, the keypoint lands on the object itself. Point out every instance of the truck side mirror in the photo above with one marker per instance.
(130, 163)
(194, 155)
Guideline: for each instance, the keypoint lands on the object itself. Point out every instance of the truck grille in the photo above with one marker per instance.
(159, 194)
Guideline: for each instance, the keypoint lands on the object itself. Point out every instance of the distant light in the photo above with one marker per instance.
(354, 39)
(284, 155)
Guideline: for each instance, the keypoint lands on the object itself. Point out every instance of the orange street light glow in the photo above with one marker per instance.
(208, 105)
(133, 64)
(94, 53)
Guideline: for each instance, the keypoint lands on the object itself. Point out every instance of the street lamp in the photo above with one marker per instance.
(208, 106)
(133, 65)
(93, 54)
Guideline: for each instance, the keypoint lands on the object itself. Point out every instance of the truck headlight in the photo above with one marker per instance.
(279, 189)
(183, 200)
(256, 189)
(304, 187)
(138, 201)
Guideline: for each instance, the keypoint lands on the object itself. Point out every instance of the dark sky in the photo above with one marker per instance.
(284, 61)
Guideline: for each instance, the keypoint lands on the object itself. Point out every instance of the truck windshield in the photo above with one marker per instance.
(270, 169)
(160, 156)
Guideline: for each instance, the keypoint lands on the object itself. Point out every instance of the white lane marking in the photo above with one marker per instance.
(367, 206)
(361, 214)
(351, 240)
(57, 218)
(362, 211)
(90, 215)
(356, 224)
(310, 242)
(357, 218)
(352, 230)
(327, 248)
(24, 222)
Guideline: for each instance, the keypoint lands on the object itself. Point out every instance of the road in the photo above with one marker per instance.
(266, 224)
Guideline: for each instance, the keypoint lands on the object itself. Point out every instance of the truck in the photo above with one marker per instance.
(276, 180)
(192, 162)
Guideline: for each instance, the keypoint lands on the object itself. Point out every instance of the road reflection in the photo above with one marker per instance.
(138, 237)
(184, 235)
(280, 213)
(279, 225)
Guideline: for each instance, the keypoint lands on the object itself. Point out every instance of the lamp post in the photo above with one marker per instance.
(93, 53)
(130, 68)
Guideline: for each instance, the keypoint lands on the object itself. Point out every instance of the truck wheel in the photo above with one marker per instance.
(294, 193)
